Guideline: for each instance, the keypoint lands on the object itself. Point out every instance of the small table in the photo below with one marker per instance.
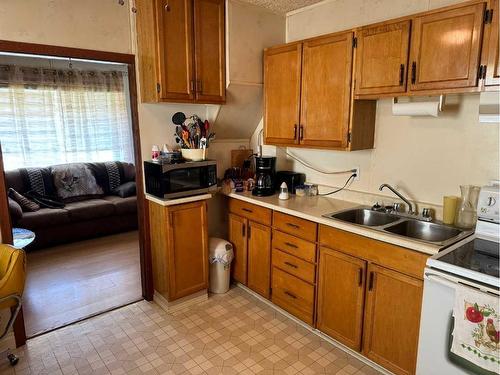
(22, 237)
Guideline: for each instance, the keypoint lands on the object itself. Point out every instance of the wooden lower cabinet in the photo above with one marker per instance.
(392, 319)
(179, 253)
(259, 258)
(341, 292)
(238, 238)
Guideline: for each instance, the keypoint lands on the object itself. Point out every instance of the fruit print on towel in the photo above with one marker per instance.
(487, 332)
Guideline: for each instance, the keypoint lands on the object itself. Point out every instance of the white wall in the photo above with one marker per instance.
(426, 157)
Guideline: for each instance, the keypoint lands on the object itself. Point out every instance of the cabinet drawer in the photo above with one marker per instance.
(293, 295)
(293, 225)
(294, 246)
(250, 211)
(295, 266)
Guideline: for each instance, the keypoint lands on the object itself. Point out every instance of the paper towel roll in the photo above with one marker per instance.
(415, 109)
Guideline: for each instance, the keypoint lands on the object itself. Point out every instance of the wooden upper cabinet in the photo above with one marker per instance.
(181, 51)
(490, 59)
(259, 258)
(382, 58)
(238, 238)
(392, 319)
(282, 74)
(209, 51)
(187, 249)
(341, 291)
(175, 49)
(326, 91)
(445, 48)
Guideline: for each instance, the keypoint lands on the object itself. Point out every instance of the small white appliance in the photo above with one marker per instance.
(471, 263)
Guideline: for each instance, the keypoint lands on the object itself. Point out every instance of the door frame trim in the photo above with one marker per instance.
(142, 207)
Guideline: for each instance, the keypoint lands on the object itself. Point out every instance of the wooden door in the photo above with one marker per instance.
(382, 58)
(282, 72)
(187, 249)
(491, 60)
(209, 54)
(259, 258)
(341, 291)
(326, 91)
(445, 47)
(175, 49)
(392, 319)
(238, 238)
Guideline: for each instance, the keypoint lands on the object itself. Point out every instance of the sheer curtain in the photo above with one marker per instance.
(54, 116)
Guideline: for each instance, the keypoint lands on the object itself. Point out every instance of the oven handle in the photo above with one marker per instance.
(453, 282)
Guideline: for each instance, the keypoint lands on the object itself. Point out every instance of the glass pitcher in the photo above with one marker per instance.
(467, 208)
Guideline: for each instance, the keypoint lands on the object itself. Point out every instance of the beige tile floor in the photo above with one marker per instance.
(228, 334)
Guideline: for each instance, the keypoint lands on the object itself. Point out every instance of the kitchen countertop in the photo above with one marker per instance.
(312, 208)
(173, 202)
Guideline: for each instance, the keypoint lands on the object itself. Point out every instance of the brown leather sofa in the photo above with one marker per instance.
(109, 214)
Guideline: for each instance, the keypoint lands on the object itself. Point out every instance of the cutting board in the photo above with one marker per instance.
(239, 156)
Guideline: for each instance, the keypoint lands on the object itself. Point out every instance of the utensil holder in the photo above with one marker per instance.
(193, 154)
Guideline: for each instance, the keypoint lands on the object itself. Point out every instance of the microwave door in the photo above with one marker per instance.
(184, 180)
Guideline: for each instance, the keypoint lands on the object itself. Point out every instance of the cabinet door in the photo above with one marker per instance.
(175, 49)
(392, 318)
(187, 249)
(341, 290)
(382, 58)
(326, 91)
(445, 48)
(259, 258)
(209, 51)
(491, 48)
(282, 70)
(238, 238)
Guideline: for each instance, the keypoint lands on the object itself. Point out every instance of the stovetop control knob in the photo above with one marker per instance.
(491, 201)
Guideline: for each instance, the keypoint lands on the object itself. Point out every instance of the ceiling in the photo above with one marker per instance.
(282, 6)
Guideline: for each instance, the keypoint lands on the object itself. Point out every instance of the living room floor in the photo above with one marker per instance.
(70, 282)
(229, 334)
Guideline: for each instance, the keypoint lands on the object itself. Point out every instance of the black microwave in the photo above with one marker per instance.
(168, 181)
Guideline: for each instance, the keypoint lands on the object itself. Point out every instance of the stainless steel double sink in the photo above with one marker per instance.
(428, 232)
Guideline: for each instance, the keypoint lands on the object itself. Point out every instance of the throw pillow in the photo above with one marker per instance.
(15, 210)
(38, 179)
(74, 182)
(109, 175)
(128, 189)
(26, 204)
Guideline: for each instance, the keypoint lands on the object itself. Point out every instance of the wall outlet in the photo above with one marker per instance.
(357, 174)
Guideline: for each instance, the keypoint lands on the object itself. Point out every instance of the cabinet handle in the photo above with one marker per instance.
(243, 230)
(295, 226)
(370, 284)
(167, 7)
(246, 210)
(301, 132)
(199, 86)
(401, 74)
(413, 72)
(360, 277)
(291, 245)
(291, 295)
(191, 85)
(291, 265)
(295, 131)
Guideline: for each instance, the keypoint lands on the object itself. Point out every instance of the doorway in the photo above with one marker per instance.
(106, 246)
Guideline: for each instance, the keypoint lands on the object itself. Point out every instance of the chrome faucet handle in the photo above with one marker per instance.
(397, 207)
(427, 213)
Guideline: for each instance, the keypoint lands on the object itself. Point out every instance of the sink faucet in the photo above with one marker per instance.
(410, 206)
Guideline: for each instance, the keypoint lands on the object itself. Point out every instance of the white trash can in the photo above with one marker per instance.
(220, 257)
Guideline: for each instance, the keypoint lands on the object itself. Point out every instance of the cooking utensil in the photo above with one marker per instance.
(178, 118)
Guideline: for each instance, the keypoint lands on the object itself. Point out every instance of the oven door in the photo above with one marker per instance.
(434, 357)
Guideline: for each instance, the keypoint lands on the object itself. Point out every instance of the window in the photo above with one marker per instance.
(56, 116)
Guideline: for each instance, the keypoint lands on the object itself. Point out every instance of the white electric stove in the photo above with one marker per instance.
(472, 262)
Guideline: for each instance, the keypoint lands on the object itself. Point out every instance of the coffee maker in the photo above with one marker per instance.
(265, 176)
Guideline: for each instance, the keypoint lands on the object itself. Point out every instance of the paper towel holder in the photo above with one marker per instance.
(440, 103)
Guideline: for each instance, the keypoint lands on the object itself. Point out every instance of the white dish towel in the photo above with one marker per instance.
(476, 334)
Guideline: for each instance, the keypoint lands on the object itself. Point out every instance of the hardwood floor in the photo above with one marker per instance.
(70, 282)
